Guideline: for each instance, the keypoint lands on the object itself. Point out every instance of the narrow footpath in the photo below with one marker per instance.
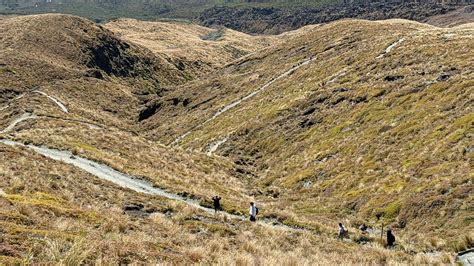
(127, 181)
(238, 102)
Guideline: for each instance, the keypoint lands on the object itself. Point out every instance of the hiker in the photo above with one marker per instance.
(342, 231)
(363, 228)
(390, 238)
(253, 212)
(217, 203)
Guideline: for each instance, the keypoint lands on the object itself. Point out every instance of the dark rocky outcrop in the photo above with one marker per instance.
(149, 110)
(115, 57)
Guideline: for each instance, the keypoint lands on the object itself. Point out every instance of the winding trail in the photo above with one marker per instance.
(390, 48)
(133, 183)
(214, 146)
(86, 123)
(335, 77)
(56, 101)
(4, 107)
(123, 180)
(18, 120)
(466, 257)
(35, 90)
(104, 172)
(127, 181)
(226, 108)
(238, 102)
(27, 116)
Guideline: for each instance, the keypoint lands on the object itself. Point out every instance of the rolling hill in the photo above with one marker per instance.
(211, 48)
(343, 120)
(111, 150)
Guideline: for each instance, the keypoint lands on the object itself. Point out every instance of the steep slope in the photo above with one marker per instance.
(101, 77)
(55, 97)
(194, 49)
(50, 98)
(347, 122)
(74, 49)
(53, 212)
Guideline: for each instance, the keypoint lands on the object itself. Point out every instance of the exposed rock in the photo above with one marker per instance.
(340, 90)
(133, 207)
(94, 73)
(149, 110)
(338, 100)
(385, 128)
(272, 193)
(393, 78)
(359, 99)
(116, 57)
(309, 111)
(307, 184)
(443, 77)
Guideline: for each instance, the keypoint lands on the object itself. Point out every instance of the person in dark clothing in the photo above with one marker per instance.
(342, 231)
(390, 238)
(217, 203)
(253, 211)
(363, 228)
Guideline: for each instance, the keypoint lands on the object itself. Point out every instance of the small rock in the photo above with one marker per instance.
(346, 129)
(359, 99)
(340, 90)
(385, 128)
(308, 123)
(307, 184)
(133, 207)
(272, 193)
(466, 150)
(309, 111)
(443, 77)
(151, 210)
(393, 78)
(2, 193)
(338, 100)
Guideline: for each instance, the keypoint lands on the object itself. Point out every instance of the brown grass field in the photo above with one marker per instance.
(356, 136)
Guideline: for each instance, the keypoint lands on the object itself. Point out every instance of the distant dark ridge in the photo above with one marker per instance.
(275, 21)
(256, 16)
(447, 2)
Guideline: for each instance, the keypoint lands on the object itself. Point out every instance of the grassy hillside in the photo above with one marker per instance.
(194, 49)
(52, 213)
(358, 133)
(343, 138)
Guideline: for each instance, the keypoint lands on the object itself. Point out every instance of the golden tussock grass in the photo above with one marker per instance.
(346, 138)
